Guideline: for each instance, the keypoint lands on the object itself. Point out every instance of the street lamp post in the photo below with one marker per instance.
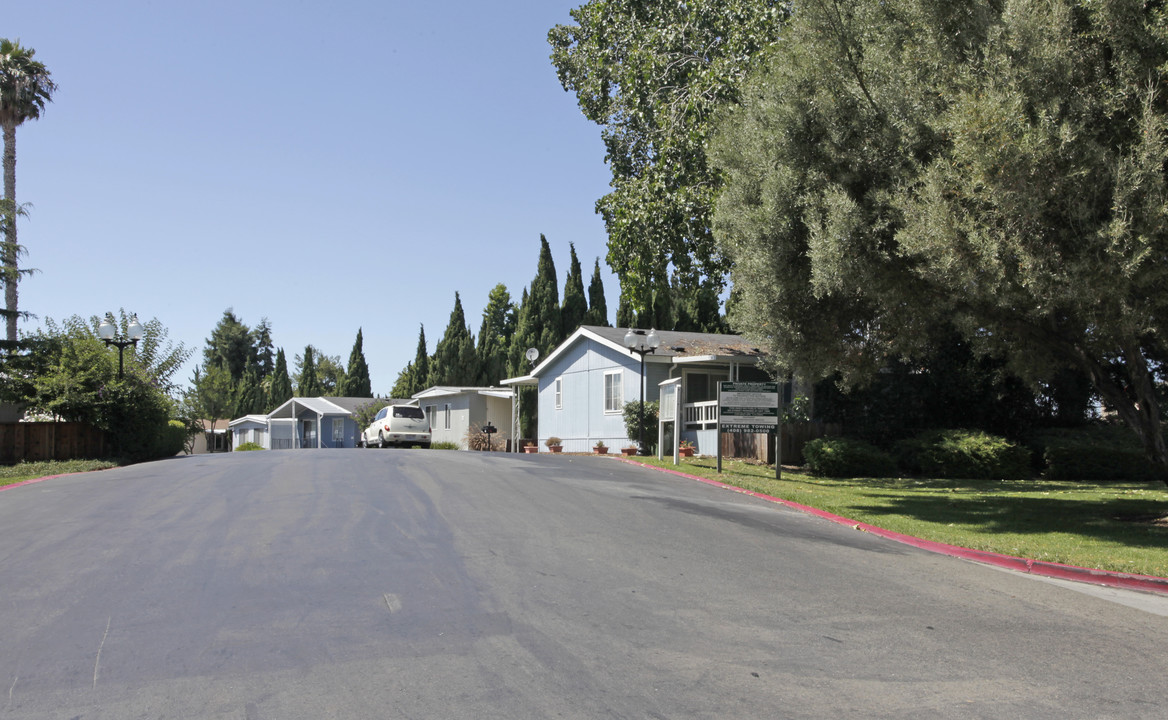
(107, 330)
(640, 343)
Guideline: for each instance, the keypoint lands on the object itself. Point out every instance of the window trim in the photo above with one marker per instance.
(619, 374)
(558, 385)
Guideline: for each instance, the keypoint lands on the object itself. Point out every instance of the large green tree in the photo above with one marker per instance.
(539, 325)
(652, 72)
(230, 345)
(597, 304)
(280, 390)
(495, 334)
(26, 87)
(357, 382)
(574, 310)
(455, 361)
(899, 164)
(307, 383)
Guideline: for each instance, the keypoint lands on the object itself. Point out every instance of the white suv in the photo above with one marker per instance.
(398, 425)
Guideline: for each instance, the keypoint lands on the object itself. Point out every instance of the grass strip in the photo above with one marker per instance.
(1116, 526)
(11, 474)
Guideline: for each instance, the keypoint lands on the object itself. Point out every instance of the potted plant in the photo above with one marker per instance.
(600, 448)
(629, 451)
(530, 447)
(686, 449)
(554, 444)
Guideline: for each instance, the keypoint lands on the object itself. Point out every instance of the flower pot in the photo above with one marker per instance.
(685, 452)
(629, 452)
(530, 449)
(555, 448)
(601, 450)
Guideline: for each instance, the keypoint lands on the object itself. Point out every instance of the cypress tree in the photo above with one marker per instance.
(539, 324)
(250, 398)
(455, 361)
(597, 305)
(308, 385)
(495, 336)
(357, 382)
(421, 370)
(281, 387)
(574, 311)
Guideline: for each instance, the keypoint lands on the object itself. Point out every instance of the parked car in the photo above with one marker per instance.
(398, 425)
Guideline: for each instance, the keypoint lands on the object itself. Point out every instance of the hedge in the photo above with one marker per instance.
(965, 454)
(845, 457)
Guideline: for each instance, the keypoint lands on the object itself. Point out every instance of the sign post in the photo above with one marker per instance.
(750, 407)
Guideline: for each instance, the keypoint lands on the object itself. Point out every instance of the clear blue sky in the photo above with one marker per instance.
(328, 166)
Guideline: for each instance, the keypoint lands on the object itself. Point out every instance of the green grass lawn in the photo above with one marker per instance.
(1107, 526)
(10, 474)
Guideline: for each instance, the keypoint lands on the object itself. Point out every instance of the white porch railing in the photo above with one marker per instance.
(702, 415)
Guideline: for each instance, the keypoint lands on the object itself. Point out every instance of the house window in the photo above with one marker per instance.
(613, 392)
(559, 393)
(446, 415)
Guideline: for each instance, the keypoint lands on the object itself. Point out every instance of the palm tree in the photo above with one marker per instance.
(25, 88)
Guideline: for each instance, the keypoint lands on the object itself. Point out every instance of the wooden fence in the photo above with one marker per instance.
(35, 441)
(761, 446)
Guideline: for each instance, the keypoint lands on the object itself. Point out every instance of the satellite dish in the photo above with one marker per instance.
(531, 354)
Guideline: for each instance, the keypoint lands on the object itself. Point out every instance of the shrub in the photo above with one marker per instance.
(552, 441)
(249, 446)
(965, 454)
(845, 457)
(634, 423)
(478, 440)
(173, 439)
(1097, 453)
(444, 445)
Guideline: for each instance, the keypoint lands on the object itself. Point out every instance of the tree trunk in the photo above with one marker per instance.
(1135, 401)
(11, 274)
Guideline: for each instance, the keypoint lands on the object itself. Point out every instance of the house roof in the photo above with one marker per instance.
(256, 419)
(675, 347)
(318, 405)
(353, 404)
(447, 391)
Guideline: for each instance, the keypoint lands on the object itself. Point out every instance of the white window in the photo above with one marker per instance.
(446, 423)
(613, 392)
(559, 393)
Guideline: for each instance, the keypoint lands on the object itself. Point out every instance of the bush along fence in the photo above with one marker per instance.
(761, 446)
(39, 441)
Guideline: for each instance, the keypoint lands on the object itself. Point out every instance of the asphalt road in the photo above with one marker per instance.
(429, 584)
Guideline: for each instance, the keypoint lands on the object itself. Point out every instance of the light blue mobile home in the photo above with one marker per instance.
(585, 382)
(303, 423)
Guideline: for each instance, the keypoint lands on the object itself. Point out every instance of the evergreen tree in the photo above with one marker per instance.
(404, 386)
(574, 311)
(625, 317)
(249, 395)
(281, 387)
(230, 346)
(307, 383)
(539, 323)
(597, 305)
(357, 382)
(263, 353)
(495, 336)
(455, 361)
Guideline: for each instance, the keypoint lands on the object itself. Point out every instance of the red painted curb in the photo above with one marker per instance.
(1126, 581)
(22, 483)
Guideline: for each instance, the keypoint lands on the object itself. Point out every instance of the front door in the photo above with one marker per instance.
(308, 433)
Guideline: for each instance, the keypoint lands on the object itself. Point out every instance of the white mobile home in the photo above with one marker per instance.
(453, 411)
